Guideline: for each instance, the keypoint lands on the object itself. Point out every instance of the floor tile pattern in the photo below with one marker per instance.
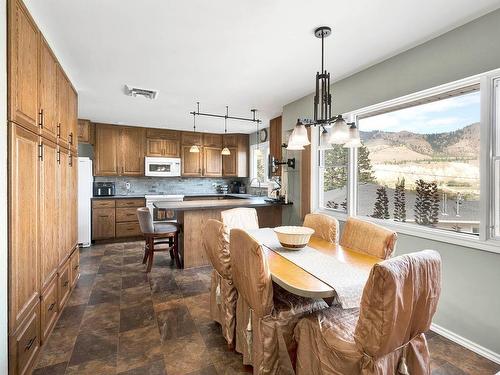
(120, 320)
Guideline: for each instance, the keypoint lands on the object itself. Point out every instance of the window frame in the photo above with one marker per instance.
(486, 240)
(263, 146)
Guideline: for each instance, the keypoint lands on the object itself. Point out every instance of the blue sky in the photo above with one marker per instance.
(436, 117)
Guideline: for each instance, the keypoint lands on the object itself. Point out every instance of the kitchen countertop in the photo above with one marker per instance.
(210, 204)
(130, 196)
(135, 196)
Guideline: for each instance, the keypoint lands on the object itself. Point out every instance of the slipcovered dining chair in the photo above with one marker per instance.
(223, 294)
(386, 334)
(266, 314)
(325, 227)
(369, 238)
(241, 218)
(156, 236)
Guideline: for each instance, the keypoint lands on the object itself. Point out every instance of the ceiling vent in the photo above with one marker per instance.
(136, 91)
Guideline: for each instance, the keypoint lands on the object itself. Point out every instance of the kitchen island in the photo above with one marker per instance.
(193, 214)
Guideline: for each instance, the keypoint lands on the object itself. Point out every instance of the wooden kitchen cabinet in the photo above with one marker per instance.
(236, 164)
(191, 162)
(230, 140)
(85, 131)
(24, 343)
(50, 195)
(74, 263)
(103, 223)
(64, 208)
(106, 150)
(23, 56)
(131, 151)
(63, 126)
(72, 218)
(169, 134)
(24, 249)
(212, 140)
(64, 283)
(72, 118)
(48, 309)
(162, 148)
(192, 138)
(47, 93)
(212, 161)
(230, 163)
(275, 140)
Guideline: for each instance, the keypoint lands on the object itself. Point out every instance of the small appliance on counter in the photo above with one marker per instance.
(222, 189)
(237, 187)
(104, 189)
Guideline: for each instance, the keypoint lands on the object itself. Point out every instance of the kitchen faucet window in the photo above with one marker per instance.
(259, 156)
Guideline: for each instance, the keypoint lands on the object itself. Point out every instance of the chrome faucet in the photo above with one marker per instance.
(259, 193)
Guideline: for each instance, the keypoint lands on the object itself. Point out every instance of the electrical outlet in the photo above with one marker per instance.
(127, 185)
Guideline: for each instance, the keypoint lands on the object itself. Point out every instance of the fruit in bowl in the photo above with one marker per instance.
(293, 237)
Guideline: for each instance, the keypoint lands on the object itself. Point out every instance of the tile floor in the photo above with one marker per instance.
(120, 320)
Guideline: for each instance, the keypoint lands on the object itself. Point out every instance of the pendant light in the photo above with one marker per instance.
(257, 136)
(340, 131)
(299, 138)
(354, 139)
(322, 96)
(225, 150)
(195, 148)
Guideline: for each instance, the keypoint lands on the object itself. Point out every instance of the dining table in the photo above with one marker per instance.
(319, 270)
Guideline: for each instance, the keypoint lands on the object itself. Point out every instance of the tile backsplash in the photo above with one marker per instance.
(169, 185)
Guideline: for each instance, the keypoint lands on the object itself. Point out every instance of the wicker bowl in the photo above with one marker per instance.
(292, 237)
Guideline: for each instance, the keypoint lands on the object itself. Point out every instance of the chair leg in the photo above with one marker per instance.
(151, 255)
(176, 251)
(145, 253)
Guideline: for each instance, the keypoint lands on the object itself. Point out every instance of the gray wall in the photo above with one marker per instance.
(3, 189)
(470, 303)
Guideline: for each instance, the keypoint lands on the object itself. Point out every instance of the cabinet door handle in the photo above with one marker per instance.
(30, 344)
(51, 307)
(58, 156)
(40, 151)
(59, 130)
(103, 216)
(70, 139)
(66, 283)
(75, 267)
(40, 120)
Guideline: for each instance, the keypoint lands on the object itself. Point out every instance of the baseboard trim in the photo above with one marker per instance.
(466, 343)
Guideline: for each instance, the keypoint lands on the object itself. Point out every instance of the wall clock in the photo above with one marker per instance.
(263, 135)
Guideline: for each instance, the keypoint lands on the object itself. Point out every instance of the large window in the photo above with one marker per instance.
(429, 160)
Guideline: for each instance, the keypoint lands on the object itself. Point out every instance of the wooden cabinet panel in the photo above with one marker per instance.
(72, 118)
(155, 147)
(85, 131)
(243, 158)
(103, 223)
(275, 138)
(72, 218)
(128, 230)
(106, 150)
(139, 202)
(25, 344)
(126, 214)
(24, 185)
(63, 284)
(191, 162)
(63, 183)
(212, 140)
(103, 203)
(62, 108)
(48, 92)
(23, 67)
(171, 149)
(131, 150)
(74, 263)
(163, 134)
(48, 309)
(230, 140)
(229, 163)
(212, 161)
(49, 205)
(191, 138)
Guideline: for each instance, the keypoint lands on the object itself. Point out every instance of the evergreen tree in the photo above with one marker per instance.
(381, 207)
(365, 170)
(426, 203)
(400, 201)
(434, 203)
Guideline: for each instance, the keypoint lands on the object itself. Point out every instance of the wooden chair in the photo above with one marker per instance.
(240, 218)
(325, 227)
(157, 236)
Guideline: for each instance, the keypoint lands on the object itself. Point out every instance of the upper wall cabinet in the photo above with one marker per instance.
(63, 126)
(235, 164)
(163, 143)
(119, 151)
(48, 92)
(24, 39)
(86, 133)
(72, 118)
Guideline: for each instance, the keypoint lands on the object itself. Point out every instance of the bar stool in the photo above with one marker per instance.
(157, 236)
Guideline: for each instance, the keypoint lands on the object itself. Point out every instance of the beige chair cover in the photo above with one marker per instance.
(325, 227)
(384, 336)
(240, 218)
(368, 238)
(223, 294)
(266, 314)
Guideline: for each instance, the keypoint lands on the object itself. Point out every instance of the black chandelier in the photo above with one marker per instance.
(342, 132)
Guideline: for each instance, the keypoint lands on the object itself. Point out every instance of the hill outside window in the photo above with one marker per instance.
(424, 164)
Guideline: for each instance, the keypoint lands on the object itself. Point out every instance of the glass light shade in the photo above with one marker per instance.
(340, 132)
(354, 139)
(194, 148)
(300, 136)
(225, 151)
(293, 144)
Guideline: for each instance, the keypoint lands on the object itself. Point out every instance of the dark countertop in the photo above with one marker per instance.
(201, 196)
(210, 204)
(130, 196)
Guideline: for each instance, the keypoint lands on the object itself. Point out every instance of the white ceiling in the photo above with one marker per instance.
(246, 54)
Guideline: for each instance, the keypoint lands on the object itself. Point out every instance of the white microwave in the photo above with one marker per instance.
(162, 167)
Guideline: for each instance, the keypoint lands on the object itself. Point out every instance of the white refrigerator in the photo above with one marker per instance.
(85, 181)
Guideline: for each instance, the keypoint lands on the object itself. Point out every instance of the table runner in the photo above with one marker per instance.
(347, 280)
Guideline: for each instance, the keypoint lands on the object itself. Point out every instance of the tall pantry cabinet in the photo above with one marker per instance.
(43, 253)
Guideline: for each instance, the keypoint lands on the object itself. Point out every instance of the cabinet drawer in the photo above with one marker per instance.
(126, 214)
(49, 308)
(103, 223)
(128, 230)
(103, 203)
(25, 343)
(130, 202)
(63, 284)
(74, 262)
